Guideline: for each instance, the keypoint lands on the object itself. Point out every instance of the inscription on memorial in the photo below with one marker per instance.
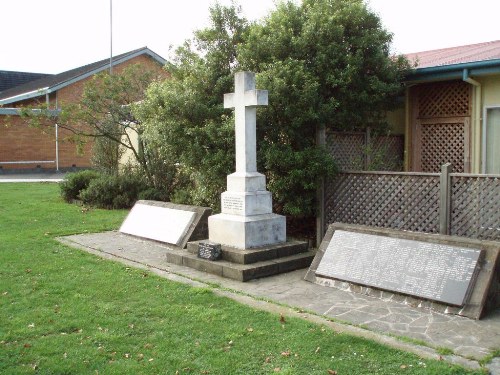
(209, 250)
(232, 203)
(433, 271)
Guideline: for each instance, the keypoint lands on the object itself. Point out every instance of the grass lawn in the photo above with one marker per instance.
(63, 311)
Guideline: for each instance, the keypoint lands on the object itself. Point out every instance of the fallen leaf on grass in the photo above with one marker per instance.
(285, 354)
(282, 318)
(277, 369)
(250, 329)
(29, 270)
(27, 345)
(402, 367)
(332, 372)
(267, 360)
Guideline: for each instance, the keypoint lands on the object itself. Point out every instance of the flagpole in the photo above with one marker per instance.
(111, 36)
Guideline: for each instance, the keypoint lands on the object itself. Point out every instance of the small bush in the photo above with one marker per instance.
(153, 194)
(75, 182)
(113, 191)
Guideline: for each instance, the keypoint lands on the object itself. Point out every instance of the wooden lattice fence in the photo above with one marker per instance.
(475, 206)
(357, 151)
(415, 202)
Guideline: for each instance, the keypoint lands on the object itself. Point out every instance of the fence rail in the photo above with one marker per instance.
(449, 203)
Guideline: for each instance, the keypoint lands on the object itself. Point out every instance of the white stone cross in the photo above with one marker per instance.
(245, 100)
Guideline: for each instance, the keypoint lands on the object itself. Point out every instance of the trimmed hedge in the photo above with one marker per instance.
(113, 191)
(74, 183)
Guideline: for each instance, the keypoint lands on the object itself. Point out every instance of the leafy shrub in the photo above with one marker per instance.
(113, 191)
(75, 182)
(153, 194)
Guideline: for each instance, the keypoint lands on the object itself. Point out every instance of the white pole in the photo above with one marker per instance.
(111, 36)
(57, 148)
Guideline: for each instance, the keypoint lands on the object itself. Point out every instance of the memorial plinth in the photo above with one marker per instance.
(246, 220)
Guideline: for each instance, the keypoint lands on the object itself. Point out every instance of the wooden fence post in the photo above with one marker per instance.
(444, 199)
(320, 193)
(368, 151)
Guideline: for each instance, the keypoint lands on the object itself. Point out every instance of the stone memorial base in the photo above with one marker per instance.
(448, 274)
(246, 232)
(245, 265)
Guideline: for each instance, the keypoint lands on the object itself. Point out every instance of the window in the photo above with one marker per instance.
(491, 140)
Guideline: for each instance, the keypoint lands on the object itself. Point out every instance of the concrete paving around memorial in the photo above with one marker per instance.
(420, 331)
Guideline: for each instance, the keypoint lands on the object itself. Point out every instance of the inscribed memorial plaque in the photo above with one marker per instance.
(432, 271)
(209, 250)
(166, 222)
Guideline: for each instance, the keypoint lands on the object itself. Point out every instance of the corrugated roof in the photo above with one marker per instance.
(456, 55)
(10, 79)
(59, 80)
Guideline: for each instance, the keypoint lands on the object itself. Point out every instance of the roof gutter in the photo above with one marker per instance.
(454, 71)
(17, 111)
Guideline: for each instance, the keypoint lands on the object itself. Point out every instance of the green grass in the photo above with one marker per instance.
(63, 311)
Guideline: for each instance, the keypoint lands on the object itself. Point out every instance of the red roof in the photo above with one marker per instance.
(456, 55)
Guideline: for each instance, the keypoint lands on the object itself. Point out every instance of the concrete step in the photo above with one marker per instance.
(242, 272)
(249, 256)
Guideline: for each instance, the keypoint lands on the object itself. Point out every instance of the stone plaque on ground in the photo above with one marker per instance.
(433, 271)
(448, 274)
(209, 250)
(170, 223)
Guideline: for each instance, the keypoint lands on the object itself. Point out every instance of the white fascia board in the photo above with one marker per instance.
(24, 96)
(106, 67)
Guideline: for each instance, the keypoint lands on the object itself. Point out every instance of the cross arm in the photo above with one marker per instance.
(254, 98)
(229, 100)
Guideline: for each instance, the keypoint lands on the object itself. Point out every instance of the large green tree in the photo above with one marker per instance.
(325, 63)
(184, 117)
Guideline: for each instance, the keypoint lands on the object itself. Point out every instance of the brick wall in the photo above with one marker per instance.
(19, 142)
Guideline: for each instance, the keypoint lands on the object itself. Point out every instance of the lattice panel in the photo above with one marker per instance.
(347, 149)
(389, 151)
(475, 207)
(446, 99)
(401, 201)
(350, 150)
(442, 143)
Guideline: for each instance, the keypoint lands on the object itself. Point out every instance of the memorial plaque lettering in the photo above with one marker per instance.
(433, 271)
(209, 250)
(232, 203)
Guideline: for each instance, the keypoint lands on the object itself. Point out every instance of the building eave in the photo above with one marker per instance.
(454, 71)
(17, 111)
(60, 85)
(25, 96)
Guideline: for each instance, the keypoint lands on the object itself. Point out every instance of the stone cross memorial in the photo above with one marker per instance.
(246, 220)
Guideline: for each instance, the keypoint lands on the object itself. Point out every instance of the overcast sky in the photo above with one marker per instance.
(52, 36)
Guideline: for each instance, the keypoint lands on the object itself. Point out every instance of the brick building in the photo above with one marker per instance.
(27, 148)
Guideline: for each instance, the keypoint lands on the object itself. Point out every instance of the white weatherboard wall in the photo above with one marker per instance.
(158, 223)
